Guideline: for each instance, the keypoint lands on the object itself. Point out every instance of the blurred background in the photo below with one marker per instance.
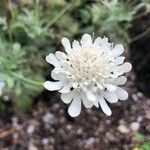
(32, 118)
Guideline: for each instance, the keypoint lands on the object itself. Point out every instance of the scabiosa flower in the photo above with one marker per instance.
(89, 72)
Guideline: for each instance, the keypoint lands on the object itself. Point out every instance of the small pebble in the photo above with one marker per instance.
(108, 122)
(15, 135)
(45, 141)
(135, 98)
(68, 127)
(80, 131)
(56, 107)
(51, 140)
(123, 129)
(91, 142)
(32, 147)
(140, 119)
(14, 120)
(30, 129)
(49, 118)
(134, 126)
(148, 128)
(139, 94)
(133, 77)
(147, 115)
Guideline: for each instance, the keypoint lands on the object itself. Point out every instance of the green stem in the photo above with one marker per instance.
(20, 77)
(6, 14)
(140, 15)
(60, 14)
(141, 35)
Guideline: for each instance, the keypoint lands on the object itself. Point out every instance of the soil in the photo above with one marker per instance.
(48, 127)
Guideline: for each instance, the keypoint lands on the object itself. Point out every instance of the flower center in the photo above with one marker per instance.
(89, 66)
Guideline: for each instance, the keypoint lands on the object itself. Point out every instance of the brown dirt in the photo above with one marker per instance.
(48, 127)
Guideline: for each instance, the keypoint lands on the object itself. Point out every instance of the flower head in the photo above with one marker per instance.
(89, 72)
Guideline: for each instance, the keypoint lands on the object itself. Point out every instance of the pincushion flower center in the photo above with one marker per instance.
(88, 66)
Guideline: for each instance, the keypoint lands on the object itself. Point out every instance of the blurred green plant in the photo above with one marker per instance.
(30, 28)
(139, 138)
(25, 36)
(145, 146)
(112, 18)
(18, 74)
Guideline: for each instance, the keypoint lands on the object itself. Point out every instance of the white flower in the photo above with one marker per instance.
(89, 73)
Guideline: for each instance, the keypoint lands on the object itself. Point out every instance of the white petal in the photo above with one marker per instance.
(65, 89)
(97, 41)
(52, 60)
(75, 107)
(100, 86)
(60, 55)
(110, 87)
(86, 102)
(119, 60)
(66, 66)
(57, 70)
(52, 86)
(104, 41)
(96, 103)
(76, 45)
(90, 95)
(121, 93)
(111, 97)
(57, 76)
(105, 45)
(104, 106)
(120, 80)
(67, 97)
(75, 85)
(117, 50)
(66, 43)
(86, 40)
(126, 67)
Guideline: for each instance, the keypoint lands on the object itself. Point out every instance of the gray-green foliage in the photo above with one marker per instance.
(25, 37)
(110, 18)
(30, 29)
